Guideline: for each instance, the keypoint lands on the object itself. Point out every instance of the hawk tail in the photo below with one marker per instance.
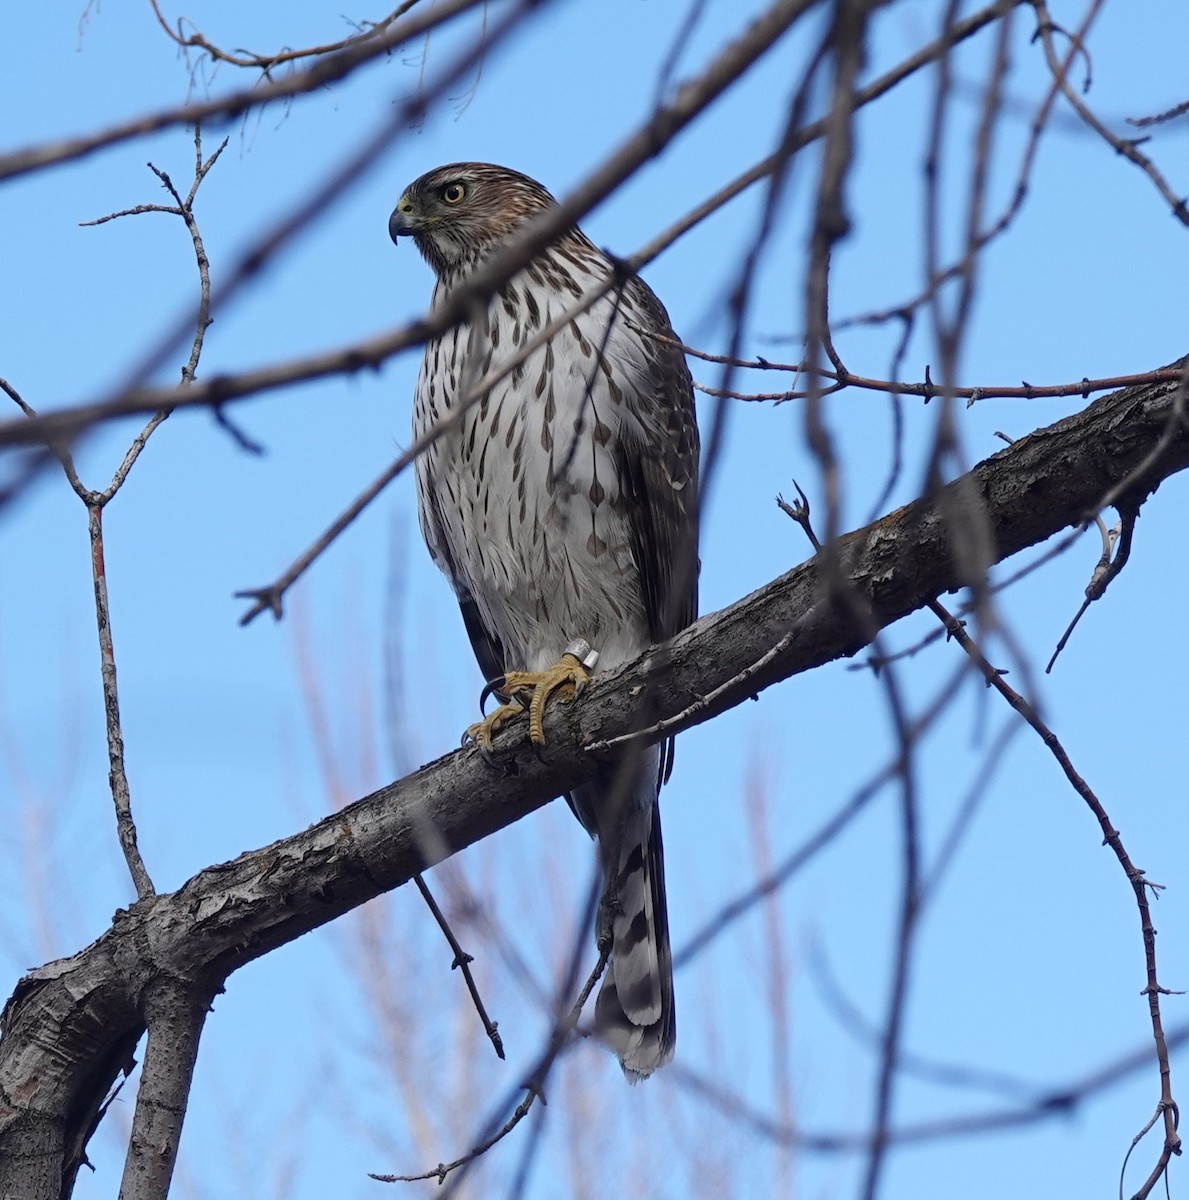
(634, 1011)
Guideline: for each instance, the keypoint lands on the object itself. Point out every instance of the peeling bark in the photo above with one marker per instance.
(71, 1026)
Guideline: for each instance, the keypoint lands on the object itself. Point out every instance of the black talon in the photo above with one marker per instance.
(493, 687)
(487, 756)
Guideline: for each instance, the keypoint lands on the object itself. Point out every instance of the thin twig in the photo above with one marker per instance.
(1127, 148)
(1059, 1102)
(1160, 118)
(60, 452)
(1140, 885)
(117, 774)
(266, 62)
(462, 961)
(318, 75)
(1106, 570)
(534, 1089)
(375, 351)
(926, 389)
(185, 210)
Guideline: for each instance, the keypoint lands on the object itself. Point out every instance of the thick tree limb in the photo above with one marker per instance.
(175, 1012)
(70, 1026)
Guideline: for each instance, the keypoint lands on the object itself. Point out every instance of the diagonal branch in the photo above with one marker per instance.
(323, 72)
(218, 389)
(266, 63)
(70, 1025)
(1166, 1108)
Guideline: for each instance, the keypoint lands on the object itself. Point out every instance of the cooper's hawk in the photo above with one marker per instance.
(563, 508)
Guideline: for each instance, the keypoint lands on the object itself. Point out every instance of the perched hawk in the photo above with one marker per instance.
(563, 508)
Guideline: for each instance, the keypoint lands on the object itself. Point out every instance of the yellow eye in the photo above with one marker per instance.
(453, 193)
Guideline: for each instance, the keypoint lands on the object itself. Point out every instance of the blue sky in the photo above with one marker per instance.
(1029, 960)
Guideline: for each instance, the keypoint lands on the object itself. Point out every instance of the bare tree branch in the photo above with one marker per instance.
(1056, 1102)
(266, 62)
(96, 501)
(644, 144)
(175, 1013)
(1166, 1107)
(70, 1026)
(322, 73)
(1127, 148)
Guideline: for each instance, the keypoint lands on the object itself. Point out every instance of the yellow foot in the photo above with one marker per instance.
(483, 731)
(566, 677)
(531, 690)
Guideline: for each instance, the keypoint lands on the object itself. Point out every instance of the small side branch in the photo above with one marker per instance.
(462, 960)
(1166, 1108)
(1107, 569)
(265, 63)
(117, 775)
(534, 1088)
(1127, 148)
(97, 501)
(839, 379)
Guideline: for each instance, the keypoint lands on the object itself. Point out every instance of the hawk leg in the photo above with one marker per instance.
(532, 689)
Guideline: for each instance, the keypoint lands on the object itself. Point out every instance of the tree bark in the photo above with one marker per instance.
(70, 1026)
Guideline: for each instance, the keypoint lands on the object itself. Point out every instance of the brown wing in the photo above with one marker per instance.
(660, 480)
(489, 652)
(659, 477)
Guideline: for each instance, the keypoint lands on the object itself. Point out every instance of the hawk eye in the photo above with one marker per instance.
(453, 193)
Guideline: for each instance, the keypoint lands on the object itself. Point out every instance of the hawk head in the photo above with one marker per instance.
(458, 214)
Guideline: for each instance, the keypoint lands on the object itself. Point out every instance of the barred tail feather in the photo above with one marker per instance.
(634, 1012)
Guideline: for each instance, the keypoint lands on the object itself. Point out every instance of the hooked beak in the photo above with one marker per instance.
(403, 222)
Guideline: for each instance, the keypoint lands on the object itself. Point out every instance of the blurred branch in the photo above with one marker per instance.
(943, 1074)
(831, 223)
(323, 72)
(534, 1089)
(891, 1049)
(635, 150)
(1127, 148)
(68, 1026)
(911, 894)
(1059, 1102)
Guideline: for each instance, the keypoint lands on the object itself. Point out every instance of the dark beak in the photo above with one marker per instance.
(403, 222)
